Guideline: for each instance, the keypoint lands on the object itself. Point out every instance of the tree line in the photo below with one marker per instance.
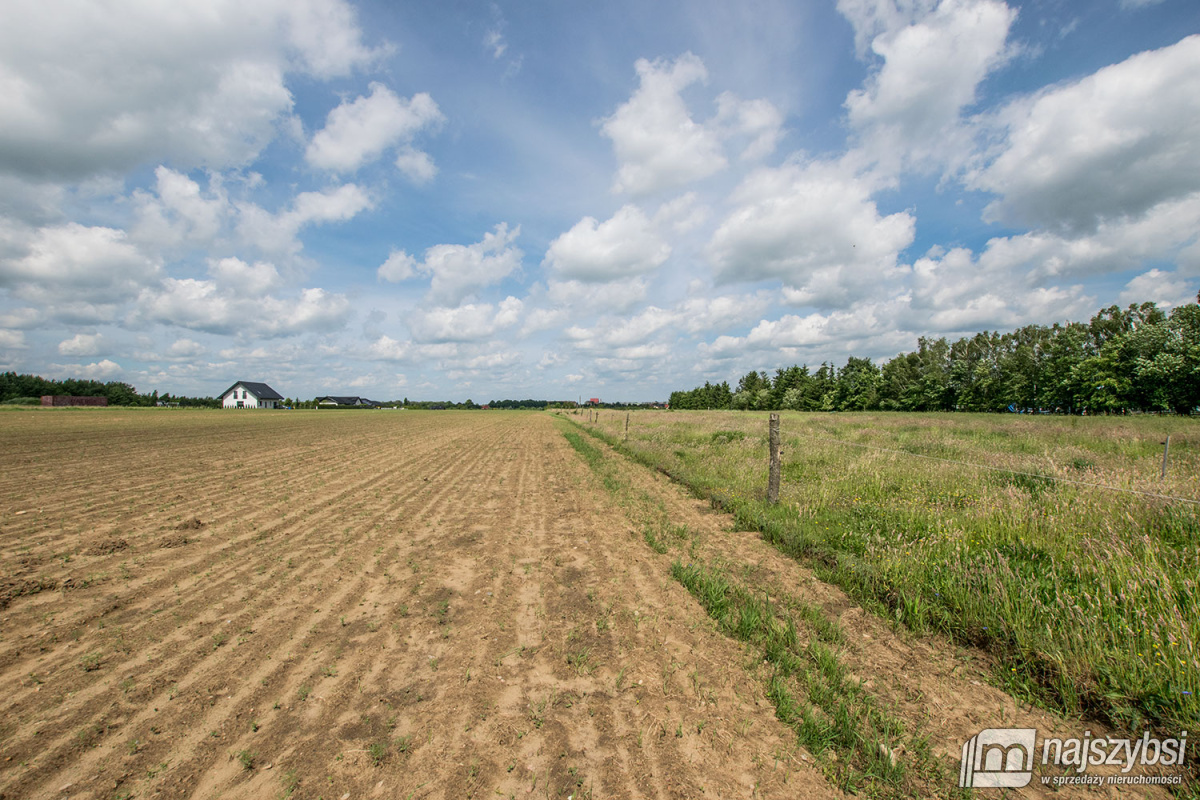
(1133, 359)
(28, 389)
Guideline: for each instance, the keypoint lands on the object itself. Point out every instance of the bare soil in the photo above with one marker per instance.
(386, 604)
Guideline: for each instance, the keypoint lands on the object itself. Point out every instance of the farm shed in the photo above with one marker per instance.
(68, 400)
(248, 394)
(330, 401)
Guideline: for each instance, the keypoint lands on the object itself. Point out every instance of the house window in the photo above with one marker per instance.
(241, 404)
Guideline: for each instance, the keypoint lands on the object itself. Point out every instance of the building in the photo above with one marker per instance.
(330, 401)
(59, 400)
(248, 394)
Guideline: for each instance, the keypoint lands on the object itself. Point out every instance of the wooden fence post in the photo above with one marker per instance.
(627, 426)
(1166, 449)
(773, 470)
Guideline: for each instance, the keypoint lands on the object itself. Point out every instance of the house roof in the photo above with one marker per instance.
(347, 401)
(260, 390)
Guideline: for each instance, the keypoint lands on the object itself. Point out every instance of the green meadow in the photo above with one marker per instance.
(1052, 542)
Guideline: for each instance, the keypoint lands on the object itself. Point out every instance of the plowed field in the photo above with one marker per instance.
(322, 604)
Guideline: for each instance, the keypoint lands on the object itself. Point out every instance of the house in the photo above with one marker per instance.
(594, 401)
(248, 394)
(330, 401)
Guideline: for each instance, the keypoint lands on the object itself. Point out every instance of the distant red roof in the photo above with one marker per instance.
(595, 400)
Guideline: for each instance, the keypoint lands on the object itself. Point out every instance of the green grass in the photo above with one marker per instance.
(833, 716)
(1088, 596)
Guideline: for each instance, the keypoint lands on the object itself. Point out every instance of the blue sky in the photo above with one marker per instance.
(559, 199)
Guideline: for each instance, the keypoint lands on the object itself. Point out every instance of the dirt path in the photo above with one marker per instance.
(306, 605)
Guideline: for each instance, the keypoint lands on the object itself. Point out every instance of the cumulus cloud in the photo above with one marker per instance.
(909, 110)
(657, 143)
(193, 84)
(179, 211)
(1166, 289)
(12, 340)
(615, 297)
(867, 329)
(73, 263)
(81, 344)
(97, 370)
(276, 233)
(185, 348)
(807, 220)
(466, 323)
(659, 146)
(1112, 145)
(359, 131)
(205, 305)
(400, 266)
(957, 291)
(626, 245)
(245, 279)
(457, 270)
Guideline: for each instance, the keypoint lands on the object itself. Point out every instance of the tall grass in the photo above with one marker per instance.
(1088, 596)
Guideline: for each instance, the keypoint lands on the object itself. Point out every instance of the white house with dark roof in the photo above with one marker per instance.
(248, 394)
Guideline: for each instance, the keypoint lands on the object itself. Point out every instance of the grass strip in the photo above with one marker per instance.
(1091, 605)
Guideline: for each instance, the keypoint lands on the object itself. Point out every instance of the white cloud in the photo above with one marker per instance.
(359, 131)
(81, 344)
(658, 144)
(853, 331)
(179, 211)
(416, 164)
(458, 271)
(1112, 145)
(326, 37)
(206, 306)
(617, 333)
(467, 323)
(195, 84)
(872, 18)
(400, 266)
(20, 318)
(1166, 289)
(75, 263)
(908, 112)
(245, 279)
(956, 291)
(804, 219)
(621, 247)
(185, 348)
(276, 233)
(12, 340)
(756, 124)
(616, 297)
(1115, 245)
(98, 370)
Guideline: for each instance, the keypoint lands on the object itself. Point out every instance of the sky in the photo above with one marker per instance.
(556, 199)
